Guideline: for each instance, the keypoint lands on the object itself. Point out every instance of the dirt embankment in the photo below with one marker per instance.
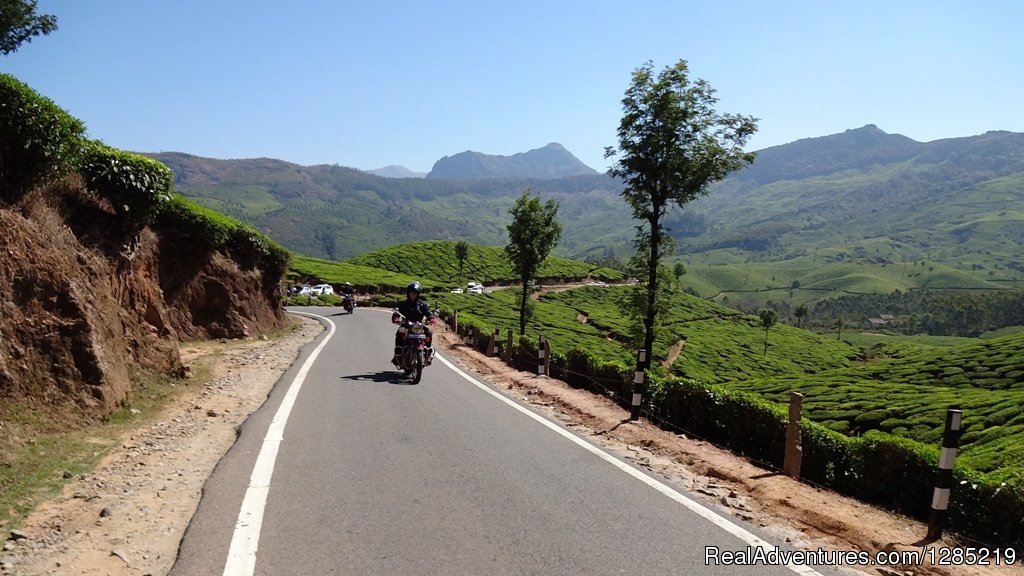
(85, 299)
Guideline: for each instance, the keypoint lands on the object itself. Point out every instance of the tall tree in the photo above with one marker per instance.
(461, 254)
(800, 313)
(673, 145)
(768, 318)
(838, 324)
(534, 231)
(19, 23)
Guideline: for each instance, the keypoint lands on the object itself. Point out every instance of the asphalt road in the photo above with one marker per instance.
(373, 476)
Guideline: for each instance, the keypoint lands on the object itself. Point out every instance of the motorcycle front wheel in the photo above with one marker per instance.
(418, 368)
(408, 361)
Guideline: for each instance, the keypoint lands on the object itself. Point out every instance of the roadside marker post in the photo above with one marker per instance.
(794, 437)
(944, 473)
(639, 383)
(547, 357)
(492, 346)
(507, 355)
(542, 357)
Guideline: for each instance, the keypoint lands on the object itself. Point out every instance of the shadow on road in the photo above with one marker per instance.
(390, 377)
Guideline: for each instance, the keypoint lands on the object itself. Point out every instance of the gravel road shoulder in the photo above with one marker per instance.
(127, 517)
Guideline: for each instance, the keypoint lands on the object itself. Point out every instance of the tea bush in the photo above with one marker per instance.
(39, 141)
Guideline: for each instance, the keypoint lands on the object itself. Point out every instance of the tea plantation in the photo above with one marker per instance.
(906, 396)
(721, 344)
(435, 260)
(362, 277)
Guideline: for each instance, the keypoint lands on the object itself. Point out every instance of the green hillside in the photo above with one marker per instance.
(435, 260)
(336, 212)
(806, 280)
(861, 211)
(364, 278)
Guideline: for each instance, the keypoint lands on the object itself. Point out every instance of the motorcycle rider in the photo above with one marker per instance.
(414, 309)
(348, 293)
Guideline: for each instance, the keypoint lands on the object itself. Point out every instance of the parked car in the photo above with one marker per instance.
(475, 288)
(596, 283)
(456, 290)
(321, 290)
(301, 290)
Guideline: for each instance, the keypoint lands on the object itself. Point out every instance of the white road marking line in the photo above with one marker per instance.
(694, 506)
(246, 538)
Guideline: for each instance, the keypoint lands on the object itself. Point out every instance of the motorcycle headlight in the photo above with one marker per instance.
(417, 329)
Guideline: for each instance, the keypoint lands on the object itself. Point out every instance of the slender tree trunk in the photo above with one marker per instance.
(765, 341)
(522, 306)
(652, 282)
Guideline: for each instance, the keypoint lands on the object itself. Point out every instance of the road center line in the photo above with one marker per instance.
(246, 537)
(710, 515)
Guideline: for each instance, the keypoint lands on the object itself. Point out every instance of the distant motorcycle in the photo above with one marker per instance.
(349, 303)
(413, 356)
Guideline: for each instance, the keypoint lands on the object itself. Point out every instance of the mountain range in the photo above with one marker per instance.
(859, 195)
(551, 161)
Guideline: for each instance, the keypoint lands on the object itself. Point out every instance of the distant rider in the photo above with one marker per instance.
(348, 290)
(414, 309)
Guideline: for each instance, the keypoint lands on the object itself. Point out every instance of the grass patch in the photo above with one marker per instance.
(39, 445)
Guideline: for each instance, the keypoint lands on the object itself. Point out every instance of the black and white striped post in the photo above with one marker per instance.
(639, 381)
(542, 362)
(492, 345)
(944, 474)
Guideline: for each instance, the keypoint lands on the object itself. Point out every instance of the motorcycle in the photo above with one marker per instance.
(412, 357)
(349, 303)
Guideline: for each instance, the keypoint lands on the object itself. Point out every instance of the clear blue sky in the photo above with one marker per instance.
(370, 83)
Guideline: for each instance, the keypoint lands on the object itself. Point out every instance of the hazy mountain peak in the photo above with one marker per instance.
(396, 171)
(853, 149)
(550, 161)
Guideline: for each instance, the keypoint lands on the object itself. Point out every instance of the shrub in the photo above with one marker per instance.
(38, 140)
(897, 473)
(136, 186)
(216, 231)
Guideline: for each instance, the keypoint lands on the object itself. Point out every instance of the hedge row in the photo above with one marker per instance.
(216, 231)
(137, 187)
(879, 468)
(38, 140)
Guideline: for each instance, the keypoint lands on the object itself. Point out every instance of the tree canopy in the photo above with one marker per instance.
(19, 23)
(534, 231)
(672, 145)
